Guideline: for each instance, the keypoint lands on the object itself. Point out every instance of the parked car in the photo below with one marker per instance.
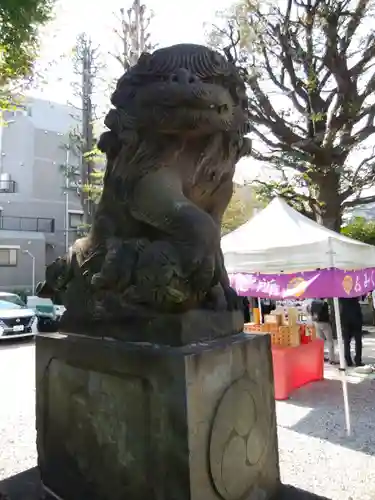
(16, 319)
(46, 314)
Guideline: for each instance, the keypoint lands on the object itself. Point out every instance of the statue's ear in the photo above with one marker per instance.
(245, 148)
(144, 58)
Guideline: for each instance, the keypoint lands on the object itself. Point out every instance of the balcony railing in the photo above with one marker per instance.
(7, 186)
(38, 224)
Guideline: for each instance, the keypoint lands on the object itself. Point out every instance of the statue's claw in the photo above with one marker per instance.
(233, 300)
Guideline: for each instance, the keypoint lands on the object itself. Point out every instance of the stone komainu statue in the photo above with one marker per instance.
(176, 132)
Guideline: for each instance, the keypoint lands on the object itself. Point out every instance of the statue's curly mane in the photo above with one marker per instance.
(133, 150)
(153, 77)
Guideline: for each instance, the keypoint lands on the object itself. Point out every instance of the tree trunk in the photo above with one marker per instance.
(327, 208)
(328, 213)
(87, 132)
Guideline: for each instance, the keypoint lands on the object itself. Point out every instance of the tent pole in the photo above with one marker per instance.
(260, 309)
(340, 344)
(342, 364)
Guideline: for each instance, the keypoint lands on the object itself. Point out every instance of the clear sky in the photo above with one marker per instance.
(175, 21)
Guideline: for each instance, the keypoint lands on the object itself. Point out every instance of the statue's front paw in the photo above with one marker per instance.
(233, 300)
(215, 299)
(97, 281)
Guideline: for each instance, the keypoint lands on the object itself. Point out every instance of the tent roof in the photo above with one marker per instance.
(280, 239)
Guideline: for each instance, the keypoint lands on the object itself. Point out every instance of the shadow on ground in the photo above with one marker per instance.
(291, 493)
(323, 416)
(22, 486)
(26, 486)
(11, 344)
(369, 350)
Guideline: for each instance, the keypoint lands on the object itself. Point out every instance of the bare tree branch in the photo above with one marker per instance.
(133, 34)
(359, 201)
(353, 24)
(314, 56)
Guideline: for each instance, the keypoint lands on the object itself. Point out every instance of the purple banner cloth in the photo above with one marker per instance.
(325, 283)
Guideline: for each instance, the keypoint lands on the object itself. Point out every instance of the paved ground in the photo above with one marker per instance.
(315, 453)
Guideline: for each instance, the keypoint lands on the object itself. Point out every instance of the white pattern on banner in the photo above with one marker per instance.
(357, 286)
(366, 282)
(269, 287)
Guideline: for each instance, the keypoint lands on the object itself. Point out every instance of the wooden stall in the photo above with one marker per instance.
(298, 357)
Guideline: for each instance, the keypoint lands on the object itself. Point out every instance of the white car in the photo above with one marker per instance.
(16, 319)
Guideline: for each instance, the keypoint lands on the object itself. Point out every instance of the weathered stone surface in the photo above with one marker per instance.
(165, 329)
(121, 420)
(177, 129)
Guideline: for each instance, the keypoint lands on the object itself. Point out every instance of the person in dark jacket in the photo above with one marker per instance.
(246, 309)
(267, 306)
(352, 322)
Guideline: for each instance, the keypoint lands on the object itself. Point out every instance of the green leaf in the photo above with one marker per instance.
(19, 24)
(239, 210)
(360, 229)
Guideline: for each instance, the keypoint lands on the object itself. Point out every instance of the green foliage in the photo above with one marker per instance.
(360, 229)
(83, 230)
(93, 189)
(267, 191)
(94, 155)
(19, 23)
(238, 212)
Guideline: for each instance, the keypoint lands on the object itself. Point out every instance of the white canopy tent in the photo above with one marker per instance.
(281, 240)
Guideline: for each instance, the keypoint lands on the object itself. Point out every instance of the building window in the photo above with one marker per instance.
(19, 111)
(8, 257)
(75, 219)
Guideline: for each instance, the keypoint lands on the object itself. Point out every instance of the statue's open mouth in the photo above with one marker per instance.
(201, 96)
(186, 107)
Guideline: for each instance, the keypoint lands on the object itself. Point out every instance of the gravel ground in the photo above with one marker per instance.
(315, 453)
(17, 395)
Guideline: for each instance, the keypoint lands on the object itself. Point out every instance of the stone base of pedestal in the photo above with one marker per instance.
(156, 328)
(127, 421)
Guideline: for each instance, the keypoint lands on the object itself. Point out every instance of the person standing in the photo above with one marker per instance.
(246, 309)
(320, 315)
(352, 322)
(267, 306)
(371, 297)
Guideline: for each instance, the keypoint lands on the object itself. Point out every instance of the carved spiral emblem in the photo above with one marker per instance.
(239, 439)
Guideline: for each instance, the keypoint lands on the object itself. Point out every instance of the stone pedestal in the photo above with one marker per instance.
(131, 421)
